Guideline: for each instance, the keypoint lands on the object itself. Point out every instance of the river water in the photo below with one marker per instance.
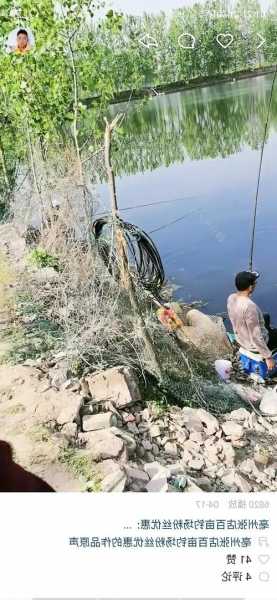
(191, 159)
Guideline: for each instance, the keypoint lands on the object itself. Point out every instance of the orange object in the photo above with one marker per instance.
(169, 319)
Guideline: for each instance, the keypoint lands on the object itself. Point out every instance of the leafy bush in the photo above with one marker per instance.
(42, 259)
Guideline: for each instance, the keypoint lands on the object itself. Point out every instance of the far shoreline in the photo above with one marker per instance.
(182, 86)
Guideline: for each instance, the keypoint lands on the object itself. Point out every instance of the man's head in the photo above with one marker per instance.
(246, 281)
(22, 39)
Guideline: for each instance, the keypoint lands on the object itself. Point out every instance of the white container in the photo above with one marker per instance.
(223, 369)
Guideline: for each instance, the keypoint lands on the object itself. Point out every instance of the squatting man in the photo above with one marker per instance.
(252, 329)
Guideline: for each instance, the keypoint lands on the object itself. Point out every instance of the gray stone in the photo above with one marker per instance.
(228, 454)
(242, 484)
(233, 430)
(127, 437)
(133, 428)
(192, 486)
(100, 421)
(69, 430)
(152, 468)
(197, 436)
(149, 457)
(137, 474)
(196, 463)
(210, 422)
(140, 451)
(146, 444)
(158, 483)
(155, 431)
(103, 444)
(171, 449)
(204, 483)
(114, 482)
(238, 415)
(155, 450)
(118, 385)
(268, 404)
(229, 479)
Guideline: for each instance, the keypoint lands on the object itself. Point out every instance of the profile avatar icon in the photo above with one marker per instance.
(20, 41)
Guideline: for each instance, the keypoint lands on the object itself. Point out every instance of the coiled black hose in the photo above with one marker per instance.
(143, 256)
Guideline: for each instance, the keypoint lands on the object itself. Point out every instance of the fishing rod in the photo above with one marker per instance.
(260, 173)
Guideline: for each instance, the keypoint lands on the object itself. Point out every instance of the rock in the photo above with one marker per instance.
(133, 428)
(58, 376)
(171, 449)
(127, 437)
(155, 450)
(149, 457)
(261, 455)
(140, 451)
(233, 430)
(118, 385)
(193, 424)
(268, 404)
(146, 414)
(242, 484)
(70, 411)
(103, 444)
(146, 444)
(197, 436)
(206, 333)
(193, 447)
(100, 421)
(128, 417)
(152, 468)
(72, 384)
(228, 454)
(229, 479)
(155, 431)
(238, 415)
(204, 483)
(248, 466)
(239, 443)
(192, 486)
(270, 472)
(69, 430)
(62, 407)
(212, 454)
(157, 484)
(186, 457)
(210, 422)
(182, 438)
(191, 419)
(176, 469)
(196, 463)
(137, 474)
(114, 482)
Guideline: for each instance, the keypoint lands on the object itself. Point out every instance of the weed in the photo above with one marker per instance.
(81, 465)
(42, 259)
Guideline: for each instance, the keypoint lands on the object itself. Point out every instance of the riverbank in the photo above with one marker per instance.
(83, 416)
(181, 86)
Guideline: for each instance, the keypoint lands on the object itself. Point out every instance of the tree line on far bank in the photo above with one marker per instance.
(43, 115)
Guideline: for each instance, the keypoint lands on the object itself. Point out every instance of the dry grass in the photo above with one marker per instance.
(7, 280)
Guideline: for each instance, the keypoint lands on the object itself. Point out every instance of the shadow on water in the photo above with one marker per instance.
(187, 169)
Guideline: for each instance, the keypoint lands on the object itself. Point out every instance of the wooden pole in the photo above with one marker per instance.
(125, 276)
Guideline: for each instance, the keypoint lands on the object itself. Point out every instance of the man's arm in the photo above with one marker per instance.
(254, 328)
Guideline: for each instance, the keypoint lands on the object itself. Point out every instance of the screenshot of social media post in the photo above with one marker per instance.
(138, 309)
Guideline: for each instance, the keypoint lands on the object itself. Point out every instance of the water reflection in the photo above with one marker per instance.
(192, 159)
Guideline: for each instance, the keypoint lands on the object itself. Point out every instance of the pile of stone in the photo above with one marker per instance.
(144, 448)
(137, 447)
